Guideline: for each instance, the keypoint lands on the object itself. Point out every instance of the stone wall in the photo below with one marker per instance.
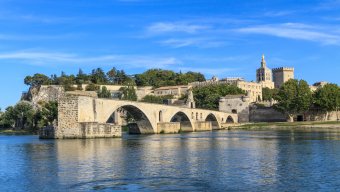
(266, 114)
(168, 127)
(70, 126)
(68, 112)
(203, 126)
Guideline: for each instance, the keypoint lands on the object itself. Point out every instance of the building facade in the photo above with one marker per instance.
(282, 75)
(264, 75)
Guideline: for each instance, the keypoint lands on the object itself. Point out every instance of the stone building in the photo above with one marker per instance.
(176, 91)
(317, 85)
(237, 104)
(264, 75)
(282, 75)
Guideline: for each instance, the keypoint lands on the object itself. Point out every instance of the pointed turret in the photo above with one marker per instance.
(191, 101)
(263, 62)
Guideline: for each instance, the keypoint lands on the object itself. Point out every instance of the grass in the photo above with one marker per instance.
(15, 132)
(286, 124)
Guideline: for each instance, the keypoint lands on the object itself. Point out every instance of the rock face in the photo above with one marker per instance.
(43, 93)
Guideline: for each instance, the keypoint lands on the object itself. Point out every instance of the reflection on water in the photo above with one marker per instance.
(210, 161)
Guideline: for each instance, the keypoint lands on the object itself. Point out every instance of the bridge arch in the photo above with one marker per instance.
(184, 120)
(214, 122)
(230, 119)
(137, 120)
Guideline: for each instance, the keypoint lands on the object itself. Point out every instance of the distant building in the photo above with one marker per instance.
(282, 75)
(317, 85)
(264, 75)
(237, 104)
(176, 91)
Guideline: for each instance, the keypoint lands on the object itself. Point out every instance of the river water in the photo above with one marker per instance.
(207, 161)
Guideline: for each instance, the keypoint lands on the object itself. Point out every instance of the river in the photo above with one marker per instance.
(207, 161)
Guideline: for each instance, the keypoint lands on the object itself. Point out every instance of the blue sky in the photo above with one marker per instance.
(215, 37)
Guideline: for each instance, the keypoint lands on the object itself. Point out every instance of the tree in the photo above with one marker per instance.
(128, 92)
(111, 75)
(92, 87)
(104, 93)
(49, 113)
(156, 99)
(22, 114)
(208, 97)
(268, 94)
(327, 98)
(37, 80)
(294, 97)
(98, 76)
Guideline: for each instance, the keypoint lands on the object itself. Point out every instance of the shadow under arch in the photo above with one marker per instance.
(183, 119)
(230, 119)
(214, 123)
(135, 119)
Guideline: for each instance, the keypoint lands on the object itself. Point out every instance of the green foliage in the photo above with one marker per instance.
(37, 80)
(98, 76)
(208, 97)
(92, 87)
(159, 78)
(327, 98)
(104, 93)
(49, 113)
(294, 97)
(128, 92)
(156, 99)
(269, 94)
(23, 116)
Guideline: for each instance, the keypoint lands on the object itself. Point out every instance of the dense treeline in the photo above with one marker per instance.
(152, 77)
(159, 78)
(24, 116)
(295, 97)
(208, 97)
(156, 99)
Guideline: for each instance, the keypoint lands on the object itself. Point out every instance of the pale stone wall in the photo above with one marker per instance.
(254, 90)
(238, 104)
(266, 114)
(168, 127)
(281, 75)
(176, 91)
(68, 112)
(203, 126)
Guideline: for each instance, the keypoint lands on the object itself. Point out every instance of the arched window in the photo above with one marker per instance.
(160, 116)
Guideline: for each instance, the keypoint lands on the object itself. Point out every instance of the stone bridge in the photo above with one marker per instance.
(84, 117)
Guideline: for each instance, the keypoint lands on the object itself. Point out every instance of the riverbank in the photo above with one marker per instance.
(288, 125)
(15, 132)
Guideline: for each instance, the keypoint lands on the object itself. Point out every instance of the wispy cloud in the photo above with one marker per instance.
(193, 42)
(128, 61)
(163, 27)
(295, 31)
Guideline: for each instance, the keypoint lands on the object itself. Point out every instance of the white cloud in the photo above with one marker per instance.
(294, 31)
(196, 42)
(126, 61)
(163, 27)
